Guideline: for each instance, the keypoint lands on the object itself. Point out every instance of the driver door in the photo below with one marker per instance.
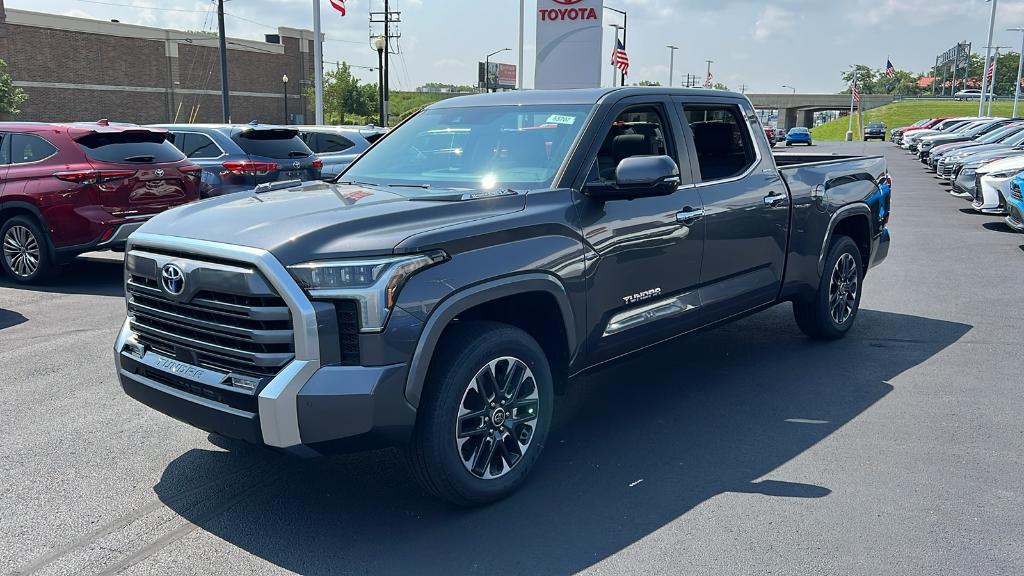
(643, 254)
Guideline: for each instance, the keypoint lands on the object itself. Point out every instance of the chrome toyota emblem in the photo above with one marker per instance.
(172, 279)
(295, 164)
(159, 172)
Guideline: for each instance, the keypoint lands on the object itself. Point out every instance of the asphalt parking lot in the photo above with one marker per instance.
(745, 450)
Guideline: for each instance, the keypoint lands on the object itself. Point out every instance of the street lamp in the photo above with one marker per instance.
(379, 43)
(790, 87)
(284, 80)
(671, 62)
(487, 68)
(622, 79)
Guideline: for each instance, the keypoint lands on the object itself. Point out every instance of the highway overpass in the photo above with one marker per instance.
(799, 109)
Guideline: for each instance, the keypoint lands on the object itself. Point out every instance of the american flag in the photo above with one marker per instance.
(708, 83)
(856, 93)
(619, 57)
(338, 5)
(890, 70)
(991, 70)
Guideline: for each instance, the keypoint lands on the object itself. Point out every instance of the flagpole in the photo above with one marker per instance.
(318, 65)
(849, 131)
(522, 10)
(988, 54)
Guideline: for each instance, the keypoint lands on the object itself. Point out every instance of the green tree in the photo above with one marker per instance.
(719, 86)
(345, 99)
(648, 83)
(11, 97)
(867, 79)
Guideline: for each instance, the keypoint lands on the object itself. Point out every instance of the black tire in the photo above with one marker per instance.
(788, 143)
(814, 315)
(24, 230)
(437, 461)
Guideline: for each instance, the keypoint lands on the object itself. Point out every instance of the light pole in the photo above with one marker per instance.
(622, 76)
(284, 81)
(1020, 69)
(790, 87)
(849, 131)
(988, 56)
(379, 44)
(487, 68)
(671, 62)
(614, 69)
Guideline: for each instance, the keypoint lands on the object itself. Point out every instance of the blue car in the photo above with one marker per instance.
(798, 135)
(236, 157)
(1015, 204)
(338, 146)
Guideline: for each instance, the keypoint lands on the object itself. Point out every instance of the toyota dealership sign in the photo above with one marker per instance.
(569, 51)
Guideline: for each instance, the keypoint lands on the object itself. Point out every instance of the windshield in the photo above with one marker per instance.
(516, 147)
(798, 130)
(997, 135)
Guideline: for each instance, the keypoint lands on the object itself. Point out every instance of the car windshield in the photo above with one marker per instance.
(798, 130)
(999, 134)
(876, 125)
(487, 147)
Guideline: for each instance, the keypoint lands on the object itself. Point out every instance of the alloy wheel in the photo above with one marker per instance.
(497, 418)
(842, 291)
(21, 251)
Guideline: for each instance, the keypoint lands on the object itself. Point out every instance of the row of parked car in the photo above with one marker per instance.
(66, 189)
(981, 158)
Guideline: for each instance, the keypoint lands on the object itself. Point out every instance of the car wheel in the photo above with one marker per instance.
(484, 416)
(26, 251)
(789, 143)
(831, 312)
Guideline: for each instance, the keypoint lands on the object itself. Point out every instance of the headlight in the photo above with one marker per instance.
(1009, 174)
(373, 282)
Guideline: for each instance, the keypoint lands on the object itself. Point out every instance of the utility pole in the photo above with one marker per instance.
(225, 99)
(671, 62)
(522, 9)
(988, 56)
(849, 131)
(1020, 69)
(318, 67)
(387, 17)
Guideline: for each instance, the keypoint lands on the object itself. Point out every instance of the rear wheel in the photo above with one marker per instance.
(26, 251)
(831, 312)
(484, 416)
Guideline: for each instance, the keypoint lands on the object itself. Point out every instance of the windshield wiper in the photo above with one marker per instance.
(354, 183)
(424, 186)
(140, 158)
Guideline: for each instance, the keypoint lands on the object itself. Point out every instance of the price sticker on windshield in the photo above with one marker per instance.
(560, 119)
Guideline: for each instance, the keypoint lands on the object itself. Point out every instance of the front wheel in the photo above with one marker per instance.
(831, 311)
(484, 416)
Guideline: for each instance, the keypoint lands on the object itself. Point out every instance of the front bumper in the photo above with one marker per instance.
(1015, 214)
(312, 401)
(989, 195)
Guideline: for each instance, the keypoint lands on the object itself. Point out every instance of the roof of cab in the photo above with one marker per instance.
(575, 96)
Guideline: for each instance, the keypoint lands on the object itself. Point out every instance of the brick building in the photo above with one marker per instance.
(82, 69)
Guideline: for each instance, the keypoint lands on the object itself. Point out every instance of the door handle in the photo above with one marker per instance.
(774, 199)
(689, 215)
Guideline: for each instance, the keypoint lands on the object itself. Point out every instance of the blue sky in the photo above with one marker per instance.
(803, 43)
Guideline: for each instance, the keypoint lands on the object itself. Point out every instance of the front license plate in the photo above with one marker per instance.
(182, 369)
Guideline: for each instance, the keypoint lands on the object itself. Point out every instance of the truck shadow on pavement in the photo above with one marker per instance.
(643, 443)
(83, 275)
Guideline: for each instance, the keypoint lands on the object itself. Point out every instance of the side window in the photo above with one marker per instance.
(199, 146)
(25, 148)
(722, 141)
(637, 131)
(332, 143)
(5, 151)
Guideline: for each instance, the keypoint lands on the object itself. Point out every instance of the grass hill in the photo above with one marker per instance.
(905, 113)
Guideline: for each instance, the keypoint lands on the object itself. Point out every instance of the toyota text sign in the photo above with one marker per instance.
(568, 44)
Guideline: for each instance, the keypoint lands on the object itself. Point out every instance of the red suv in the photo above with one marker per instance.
(66, 189)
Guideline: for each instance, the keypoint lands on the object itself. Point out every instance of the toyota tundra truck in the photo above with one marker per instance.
(473, 263)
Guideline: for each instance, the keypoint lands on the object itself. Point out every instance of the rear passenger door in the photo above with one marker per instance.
(5, 159)
(746, 206)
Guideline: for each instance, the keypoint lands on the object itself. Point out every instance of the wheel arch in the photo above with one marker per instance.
(12, 208)
(854, 221)
(553, 324)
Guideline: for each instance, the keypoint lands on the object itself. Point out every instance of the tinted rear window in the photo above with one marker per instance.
(272, 143)
(133, 146)
(371, 138)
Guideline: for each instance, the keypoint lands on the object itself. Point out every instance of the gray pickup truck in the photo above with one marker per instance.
(475, 261)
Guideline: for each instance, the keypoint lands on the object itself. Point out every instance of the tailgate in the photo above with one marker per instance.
(277, 154)
(136, 168)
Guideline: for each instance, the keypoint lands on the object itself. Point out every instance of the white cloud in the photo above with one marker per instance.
(773, 21)
(449, 63)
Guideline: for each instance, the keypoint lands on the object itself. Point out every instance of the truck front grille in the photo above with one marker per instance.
(218, 327)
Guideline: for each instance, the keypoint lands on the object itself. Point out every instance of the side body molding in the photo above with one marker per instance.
(475, 295)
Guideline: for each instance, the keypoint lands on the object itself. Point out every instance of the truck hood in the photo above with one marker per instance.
(322, 220)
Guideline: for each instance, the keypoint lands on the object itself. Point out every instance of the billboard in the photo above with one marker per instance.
(568, 44)
(502, 76)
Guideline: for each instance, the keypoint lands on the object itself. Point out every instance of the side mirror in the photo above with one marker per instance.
(639, 177)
